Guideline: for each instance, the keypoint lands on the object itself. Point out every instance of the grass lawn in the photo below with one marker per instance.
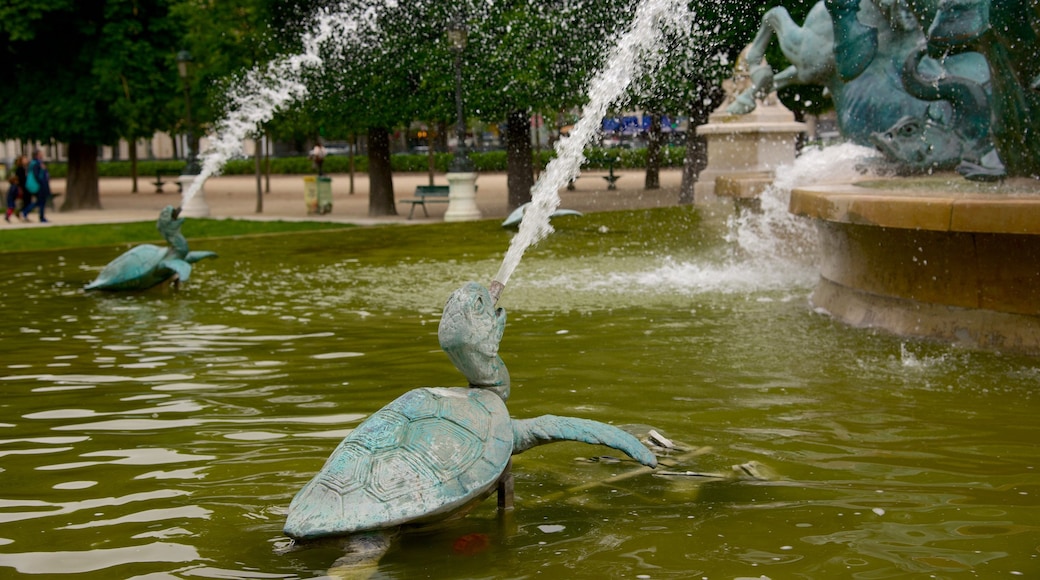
(81, 236)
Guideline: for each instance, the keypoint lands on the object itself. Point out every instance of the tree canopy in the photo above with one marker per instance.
(114, 73)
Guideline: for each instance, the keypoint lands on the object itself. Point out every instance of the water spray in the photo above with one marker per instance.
(631, 57)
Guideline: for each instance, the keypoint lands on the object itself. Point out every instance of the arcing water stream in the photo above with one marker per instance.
(152, 436)
(264, 91)
(633, 55)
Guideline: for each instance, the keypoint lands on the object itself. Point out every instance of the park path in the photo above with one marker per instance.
(235, 196)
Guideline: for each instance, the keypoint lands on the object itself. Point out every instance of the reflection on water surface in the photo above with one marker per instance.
(151, 435)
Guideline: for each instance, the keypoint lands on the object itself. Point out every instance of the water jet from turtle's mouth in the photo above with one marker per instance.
(495, 289)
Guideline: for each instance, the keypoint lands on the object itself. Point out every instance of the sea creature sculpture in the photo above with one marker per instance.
(517, 215)
(920, 146)
(144, 266)
(809, 47)
(934, 143)
(435, 452)
(1007, 34)
(868, 56)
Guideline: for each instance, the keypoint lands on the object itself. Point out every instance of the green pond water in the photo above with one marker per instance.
(161, 435)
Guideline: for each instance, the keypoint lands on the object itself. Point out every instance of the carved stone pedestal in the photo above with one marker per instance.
(196, 206)
(749, 146)
(462, 197)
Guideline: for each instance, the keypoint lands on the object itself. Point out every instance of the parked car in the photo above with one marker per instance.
(337, 148)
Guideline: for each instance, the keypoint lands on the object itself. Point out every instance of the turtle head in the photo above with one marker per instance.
(168, 221)
(470, 330)
(169, 225)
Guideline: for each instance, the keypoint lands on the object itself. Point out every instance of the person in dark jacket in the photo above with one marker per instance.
(38, 169)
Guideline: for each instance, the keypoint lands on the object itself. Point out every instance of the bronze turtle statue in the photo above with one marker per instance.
(144, 266)
(434, 452)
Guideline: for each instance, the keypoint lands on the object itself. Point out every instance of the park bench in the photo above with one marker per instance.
(610, 177)
(427, 194)
(159, 183)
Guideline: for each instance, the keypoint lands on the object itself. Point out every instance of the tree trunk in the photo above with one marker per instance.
(653, 153)
(81, 187)
(259, 174)
(520, 169)
(133, 165)
(431, 160)
(696, 158)
(442, 137)
(353, 152)
(380, 178)
(267, 163)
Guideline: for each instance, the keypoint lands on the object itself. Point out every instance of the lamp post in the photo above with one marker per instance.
(194, 205)
(183, 59)
(462, 176)
(457, 36)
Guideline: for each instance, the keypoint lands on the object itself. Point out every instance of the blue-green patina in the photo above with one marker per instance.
(147, 265)
(925, 111)
(1007, 34)
(434, 452)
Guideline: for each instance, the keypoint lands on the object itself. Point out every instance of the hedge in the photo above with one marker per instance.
(490, 161)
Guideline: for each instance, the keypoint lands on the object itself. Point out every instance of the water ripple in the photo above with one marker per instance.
(97, 558)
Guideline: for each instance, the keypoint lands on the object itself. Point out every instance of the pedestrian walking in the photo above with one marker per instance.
(16, 188)
(39, 175)
(318, 155)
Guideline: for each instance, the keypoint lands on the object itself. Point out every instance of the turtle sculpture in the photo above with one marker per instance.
(144, 266)
(514, 219)
(434, 452)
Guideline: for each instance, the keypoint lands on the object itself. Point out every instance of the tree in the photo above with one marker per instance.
(699, 55)
(535, 56)
(378, 75)
(86, 74)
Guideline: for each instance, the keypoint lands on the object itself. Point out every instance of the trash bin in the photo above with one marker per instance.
(324, 194)
(317, 194)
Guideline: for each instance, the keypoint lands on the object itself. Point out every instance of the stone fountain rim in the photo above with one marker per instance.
(945, 203)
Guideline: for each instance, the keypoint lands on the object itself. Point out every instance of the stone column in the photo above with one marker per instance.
(462, 197)
(746, 146)
(196, 206)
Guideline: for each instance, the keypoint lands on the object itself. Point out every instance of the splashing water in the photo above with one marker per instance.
(633, 55)
(776, 236)
(266, 90)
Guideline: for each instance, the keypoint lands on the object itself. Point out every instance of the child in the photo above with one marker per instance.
(14, 190)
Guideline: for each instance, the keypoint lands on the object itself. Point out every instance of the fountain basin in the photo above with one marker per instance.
(932, 257)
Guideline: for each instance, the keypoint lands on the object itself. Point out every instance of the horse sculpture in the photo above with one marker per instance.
(858, 50)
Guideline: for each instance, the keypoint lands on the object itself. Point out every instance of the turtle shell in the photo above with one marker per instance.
(134, 269)
(420, 458)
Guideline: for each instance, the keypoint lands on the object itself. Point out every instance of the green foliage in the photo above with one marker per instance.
(86, 72)
(95, 71)
(490, 161)
(671, 156)
(224, 39)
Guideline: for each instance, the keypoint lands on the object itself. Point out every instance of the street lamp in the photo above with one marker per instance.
(457, 36)
(183, 59)
(462, 175)
(194, 201)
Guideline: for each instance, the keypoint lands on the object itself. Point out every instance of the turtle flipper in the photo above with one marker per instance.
(197, 255)
(180, 267)
(528, 433)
